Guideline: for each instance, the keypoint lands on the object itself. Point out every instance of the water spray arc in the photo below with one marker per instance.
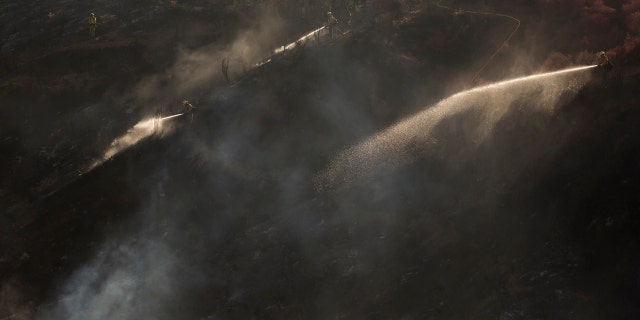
(140, 131)
(394, 145)
(281, 50)
(149, 127)
(300, 41)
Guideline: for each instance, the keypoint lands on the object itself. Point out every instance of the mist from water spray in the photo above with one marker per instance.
(140, 131)
(149, 127)
(282, 49)
(300, 41)
(395, 145)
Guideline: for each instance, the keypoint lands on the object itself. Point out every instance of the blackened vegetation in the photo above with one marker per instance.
(223, 211)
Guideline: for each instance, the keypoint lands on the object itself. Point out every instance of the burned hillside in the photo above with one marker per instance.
(429, 160)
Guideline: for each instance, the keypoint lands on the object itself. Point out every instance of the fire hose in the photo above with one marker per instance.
(504, 43)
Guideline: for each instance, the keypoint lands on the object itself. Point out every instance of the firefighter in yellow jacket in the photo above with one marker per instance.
(92, 25)
(603, 60)
(331, 23)
(187, 109)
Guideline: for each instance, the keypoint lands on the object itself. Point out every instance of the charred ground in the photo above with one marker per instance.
(221, 219)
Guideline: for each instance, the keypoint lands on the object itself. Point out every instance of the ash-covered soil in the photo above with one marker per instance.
(525, 206)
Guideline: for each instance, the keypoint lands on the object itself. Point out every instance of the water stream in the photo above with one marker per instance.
(394, 144)
(142, 130)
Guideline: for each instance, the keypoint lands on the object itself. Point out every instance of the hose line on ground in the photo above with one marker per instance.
(487, 14)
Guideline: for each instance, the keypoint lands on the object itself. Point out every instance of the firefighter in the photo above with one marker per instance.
(331, 23)
(603, 60)
(187, 109)
(92, 25)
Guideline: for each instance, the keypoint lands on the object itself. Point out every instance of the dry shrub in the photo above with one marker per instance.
(631, 6)
(633, 22)
(585, 57)
(599, 7)
(556, 60)
(631, 43)
(630, 10)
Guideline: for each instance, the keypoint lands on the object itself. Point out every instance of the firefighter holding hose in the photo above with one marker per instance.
(331, 23)
(187, 108)
(603, 60)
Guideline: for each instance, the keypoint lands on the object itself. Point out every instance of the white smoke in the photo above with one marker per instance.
(201, 69)
(132, 278)
(129, 280)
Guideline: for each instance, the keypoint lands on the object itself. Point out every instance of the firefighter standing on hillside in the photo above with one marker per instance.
(92, 25)
(331, 23)
(187, 108)
(603, 60)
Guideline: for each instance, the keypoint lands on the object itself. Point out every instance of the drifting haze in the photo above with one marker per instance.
(228, 229)
(135, 276)
(201, 70)
(132, 276)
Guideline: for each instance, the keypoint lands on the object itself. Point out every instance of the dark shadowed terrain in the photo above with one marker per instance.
(346, 178)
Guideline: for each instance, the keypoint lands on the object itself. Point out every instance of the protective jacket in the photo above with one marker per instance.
(188, 107)
(331, 20)
(603, 60)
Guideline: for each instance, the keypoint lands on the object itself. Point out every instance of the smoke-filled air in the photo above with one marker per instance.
(360, 159)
